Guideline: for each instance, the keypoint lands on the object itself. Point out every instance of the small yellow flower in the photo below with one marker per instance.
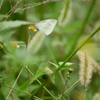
(15, 45)
(71, 70)
(1, 46)
(33, 28)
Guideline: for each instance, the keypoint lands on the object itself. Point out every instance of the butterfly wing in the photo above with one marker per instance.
(46, 26)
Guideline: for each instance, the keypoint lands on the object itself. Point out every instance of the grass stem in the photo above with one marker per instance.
(42, 85)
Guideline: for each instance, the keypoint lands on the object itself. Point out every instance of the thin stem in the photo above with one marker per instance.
(28, 81)
(64, 86)
(38, 98)
(74, 52)
(40, 84)
(12, 9)
(5, 66)
(84, 95)
(1, 3)
(37, 91)
(15, 89)
(69, 88)
(14, 83)
(37, 4)
(9, 55)
(83, 25)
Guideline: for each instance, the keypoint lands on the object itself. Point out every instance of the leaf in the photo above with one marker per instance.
(67, 65)
(32, 79)
(4, 37)
(53, 64)
(12, 24)
(38, 74)
(3, 16)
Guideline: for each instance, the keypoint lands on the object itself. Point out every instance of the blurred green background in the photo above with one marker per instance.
(55, 48)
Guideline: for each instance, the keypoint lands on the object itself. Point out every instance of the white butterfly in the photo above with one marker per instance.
(46, 26)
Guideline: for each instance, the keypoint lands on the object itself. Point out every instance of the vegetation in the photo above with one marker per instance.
(44, 60)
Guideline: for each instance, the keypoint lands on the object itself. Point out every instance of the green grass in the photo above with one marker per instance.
(40, 75)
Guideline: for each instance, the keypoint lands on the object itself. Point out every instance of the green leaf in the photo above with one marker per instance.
(32, 79)
(6, 35)
(38, 74)
(54, 64)
(66, 66)
(12, 24)
(3, 16)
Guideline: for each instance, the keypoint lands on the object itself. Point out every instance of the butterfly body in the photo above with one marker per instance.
(46, 26)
